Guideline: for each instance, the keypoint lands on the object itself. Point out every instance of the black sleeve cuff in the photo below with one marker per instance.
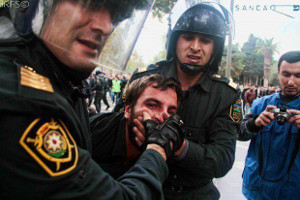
(251, 125)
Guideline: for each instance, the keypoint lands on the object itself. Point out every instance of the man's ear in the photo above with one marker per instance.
(127, 111)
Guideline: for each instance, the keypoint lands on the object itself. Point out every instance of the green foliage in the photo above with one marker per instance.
(268, 48)
(160, 56)
(237, 65)
(162, 7)
(135, 61)
(254, 61)
(274, 81)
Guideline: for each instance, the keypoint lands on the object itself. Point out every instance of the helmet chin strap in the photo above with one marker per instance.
(192, 69)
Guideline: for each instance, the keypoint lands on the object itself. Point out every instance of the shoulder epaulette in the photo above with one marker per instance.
(224, 79)
(141, 69)
(233, 84)
(218, 77)
(29, 78)
(151, 67)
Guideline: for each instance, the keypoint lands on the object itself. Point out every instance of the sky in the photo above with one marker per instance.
(259, 17)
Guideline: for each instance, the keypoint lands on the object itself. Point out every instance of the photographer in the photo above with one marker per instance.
(273, 160)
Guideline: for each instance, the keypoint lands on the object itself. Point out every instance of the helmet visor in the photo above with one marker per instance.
(76, 31)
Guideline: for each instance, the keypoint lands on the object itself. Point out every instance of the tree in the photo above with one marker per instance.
(253, 61)
(162, 7)
(236, 64)
(274, 81)
(268, 48)
(135, 61)
(160, 56)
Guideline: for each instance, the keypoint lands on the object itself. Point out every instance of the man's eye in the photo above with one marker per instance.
(151, 106)
(206, 41)
(188, 37)
(286, 75)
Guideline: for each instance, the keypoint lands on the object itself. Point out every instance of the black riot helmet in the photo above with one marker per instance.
(207, 18)
(63, 23)
(30, 15)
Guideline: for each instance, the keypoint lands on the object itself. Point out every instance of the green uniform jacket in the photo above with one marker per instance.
(44, 137)
(211, 113)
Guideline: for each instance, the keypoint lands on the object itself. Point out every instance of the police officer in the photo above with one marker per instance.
(91, 82)
(48, 49)
(211, 106)
(99, 89)
(105, 89)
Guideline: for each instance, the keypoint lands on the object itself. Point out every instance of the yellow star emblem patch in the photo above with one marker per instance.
(51, 145)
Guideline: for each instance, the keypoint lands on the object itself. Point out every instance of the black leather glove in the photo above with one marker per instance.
(162, 134)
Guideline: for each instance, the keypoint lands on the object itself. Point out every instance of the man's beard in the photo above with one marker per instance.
(131, 134)
(291, 96)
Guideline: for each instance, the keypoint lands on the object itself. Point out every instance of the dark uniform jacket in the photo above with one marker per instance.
(44, 137)
(211, 113)
(109, 143)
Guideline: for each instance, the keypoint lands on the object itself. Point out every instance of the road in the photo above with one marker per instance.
(229, 186)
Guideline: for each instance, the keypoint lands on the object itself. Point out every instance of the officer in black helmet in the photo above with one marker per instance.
(211, 105)
(47, 49)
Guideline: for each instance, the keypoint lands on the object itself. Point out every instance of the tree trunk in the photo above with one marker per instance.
(267, 64)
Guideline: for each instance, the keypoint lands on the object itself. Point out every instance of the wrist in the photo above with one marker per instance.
(159, 149)
(179, 152)
(252, 124)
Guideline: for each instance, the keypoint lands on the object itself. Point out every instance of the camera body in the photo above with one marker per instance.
(281, 115)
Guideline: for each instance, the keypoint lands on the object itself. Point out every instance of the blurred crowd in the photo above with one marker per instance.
(250, 93)
(100, 86)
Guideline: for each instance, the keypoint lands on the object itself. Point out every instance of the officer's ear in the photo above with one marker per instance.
(127, 111)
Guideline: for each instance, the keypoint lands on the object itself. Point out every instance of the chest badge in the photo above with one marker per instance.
(51, 145)
(236, 111)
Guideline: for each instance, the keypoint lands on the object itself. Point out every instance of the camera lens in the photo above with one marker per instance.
(281, 120)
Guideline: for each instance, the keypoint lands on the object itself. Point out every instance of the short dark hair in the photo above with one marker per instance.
(290, 57)
(137, 87)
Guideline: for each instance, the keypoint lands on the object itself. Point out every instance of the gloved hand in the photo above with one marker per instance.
(162, 134)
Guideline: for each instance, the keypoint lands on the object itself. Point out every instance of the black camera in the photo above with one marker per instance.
(281, 115)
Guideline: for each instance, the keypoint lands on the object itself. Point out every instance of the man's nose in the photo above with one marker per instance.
(162, 116)
(291, 80)
(195, 45)
(102, 23)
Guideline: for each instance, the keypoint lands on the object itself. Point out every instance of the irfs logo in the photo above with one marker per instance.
(14, 3)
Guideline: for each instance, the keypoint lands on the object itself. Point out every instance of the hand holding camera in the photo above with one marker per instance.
(295, 117)
(280, 114)
(265, 117)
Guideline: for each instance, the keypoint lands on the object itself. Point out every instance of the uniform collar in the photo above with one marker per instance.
(168, 69)
(204, 81)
